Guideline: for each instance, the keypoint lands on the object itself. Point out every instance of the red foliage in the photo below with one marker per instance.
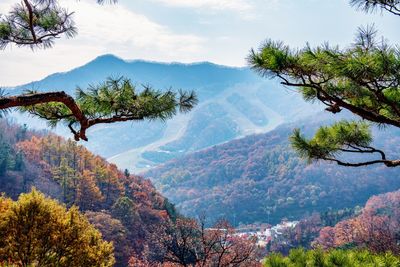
(375, 228)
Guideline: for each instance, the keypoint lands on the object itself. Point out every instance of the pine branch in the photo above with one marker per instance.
(30, 100)
(37, 23)
(388, 163)
(363, 79)
(342, 137)
(115, 100)
(392, 6)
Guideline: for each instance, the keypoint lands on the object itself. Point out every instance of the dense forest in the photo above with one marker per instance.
(126, 208)
(260, 178)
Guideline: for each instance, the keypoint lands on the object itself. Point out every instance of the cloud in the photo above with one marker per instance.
(235, 5)
(116, 26)
(102, 29)
(246, 10)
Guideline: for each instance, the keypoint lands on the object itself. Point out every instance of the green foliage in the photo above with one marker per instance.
(346, 74)
(124, 209)
(4, 157)
(19, 162)
(116, 100)
(318, 258)
(37, 231)
(330, 141)
(171, 210)
(121, 96)
(363, 78)
(5, 30)
(10, 158)
(36, 24)
(332, 217)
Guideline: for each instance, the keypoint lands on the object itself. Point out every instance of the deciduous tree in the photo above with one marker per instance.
(188, 243)
(37, 231)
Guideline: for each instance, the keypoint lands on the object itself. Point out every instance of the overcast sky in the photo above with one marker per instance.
(220, 31)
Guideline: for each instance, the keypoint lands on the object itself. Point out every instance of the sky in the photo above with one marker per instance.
(219, 31)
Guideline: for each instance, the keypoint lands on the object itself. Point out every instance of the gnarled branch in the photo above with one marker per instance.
(43, 98)
(388, 163)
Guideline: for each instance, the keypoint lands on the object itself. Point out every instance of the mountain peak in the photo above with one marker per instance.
(107, 58)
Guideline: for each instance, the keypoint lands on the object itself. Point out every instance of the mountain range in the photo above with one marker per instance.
(234, 102)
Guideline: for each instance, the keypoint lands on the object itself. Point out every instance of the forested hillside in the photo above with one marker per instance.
(377, 227)
(373, 227)
(260, 178)
(125, 208)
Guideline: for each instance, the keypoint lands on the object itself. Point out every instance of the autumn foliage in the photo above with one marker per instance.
(376, 228)
(127, 209)
(38, 231)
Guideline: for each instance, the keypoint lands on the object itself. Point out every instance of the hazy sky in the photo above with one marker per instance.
(220, 31)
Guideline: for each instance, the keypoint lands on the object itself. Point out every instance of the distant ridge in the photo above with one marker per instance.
(108, 65)
(114, 57)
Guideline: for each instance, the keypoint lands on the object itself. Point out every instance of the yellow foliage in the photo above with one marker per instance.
(38, 231)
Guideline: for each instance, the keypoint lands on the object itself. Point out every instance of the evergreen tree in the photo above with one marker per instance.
(171, 210)
(127, 173)
(319, 258)
(19, 161)
(124, 209)
(363, 79)
(65, 176)
(21, 135)
(4, 155)
(392, 6)
(88, 194)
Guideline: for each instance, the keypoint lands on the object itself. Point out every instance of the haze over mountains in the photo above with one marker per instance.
(234, 102)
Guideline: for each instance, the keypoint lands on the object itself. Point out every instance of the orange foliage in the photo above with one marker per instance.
(93, 184)
(375, 228)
